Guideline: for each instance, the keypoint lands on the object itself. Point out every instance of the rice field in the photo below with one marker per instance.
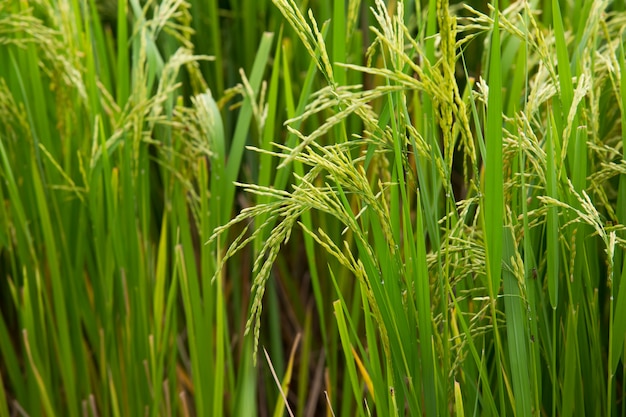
(312, 208)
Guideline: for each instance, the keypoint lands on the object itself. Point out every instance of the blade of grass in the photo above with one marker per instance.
(347, 349)
(284, 386)
(516, 323)
(493, 208)
(619, 323)
(552, 221)
(569, 395)
(494, 181)
(422, 290)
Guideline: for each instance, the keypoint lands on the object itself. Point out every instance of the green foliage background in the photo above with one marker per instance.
(317, 208)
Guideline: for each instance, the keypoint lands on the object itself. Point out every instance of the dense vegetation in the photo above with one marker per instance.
(320, 208)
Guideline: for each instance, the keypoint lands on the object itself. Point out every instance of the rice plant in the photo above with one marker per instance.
(336, 208)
